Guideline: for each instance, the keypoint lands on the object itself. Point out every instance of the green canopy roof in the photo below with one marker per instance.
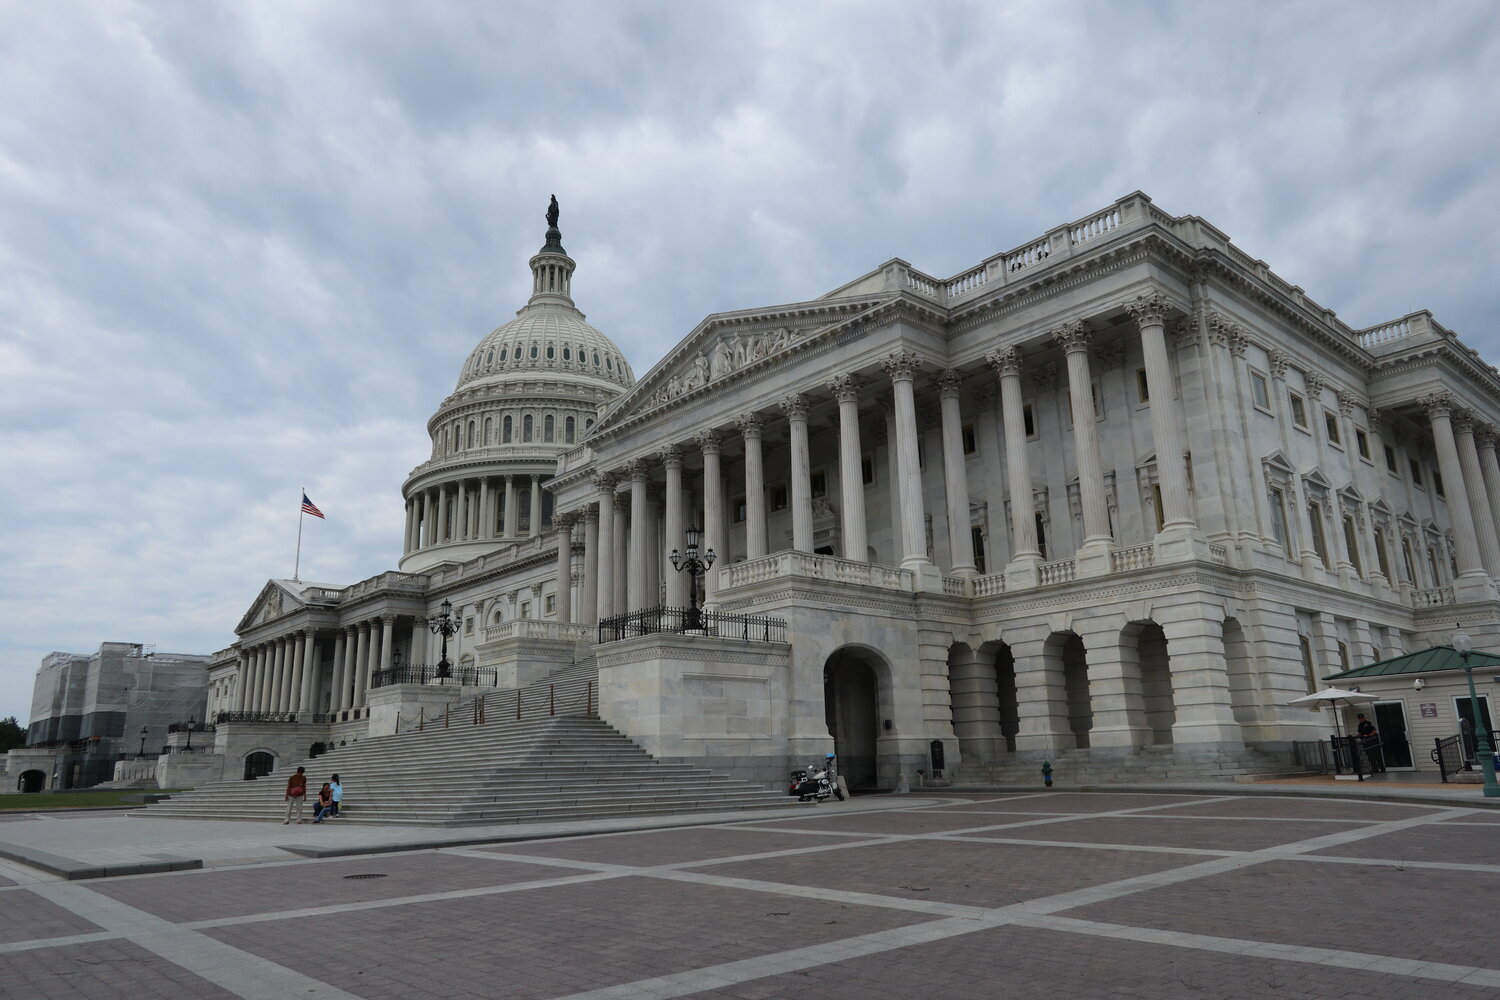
(1425, 662)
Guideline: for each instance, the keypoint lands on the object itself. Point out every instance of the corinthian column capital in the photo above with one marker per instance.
(1148, 309)
(1006, 361)
(638, 470)
(605, 482)
(671, 456)
(1072, 336)
(750, 425)
(949, 381)
(901, 365)
(1437, 404)
(709, 442)
(795, 406)
(1463, 422)
(845, 388)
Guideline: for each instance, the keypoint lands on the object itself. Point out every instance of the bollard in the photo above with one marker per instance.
(1047, 773)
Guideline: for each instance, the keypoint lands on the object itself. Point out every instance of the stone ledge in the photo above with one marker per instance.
(73, 870)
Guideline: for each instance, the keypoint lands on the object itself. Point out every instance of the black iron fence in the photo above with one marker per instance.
(1448, 755)
(1312, 755)
(270, 718)
(427, 673)
(693, 621)
(190, 727)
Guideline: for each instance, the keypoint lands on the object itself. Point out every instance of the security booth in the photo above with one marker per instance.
(1421, 708)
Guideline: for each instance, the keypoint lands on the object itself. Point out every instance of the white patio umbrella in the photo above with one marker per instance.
(1332, 697)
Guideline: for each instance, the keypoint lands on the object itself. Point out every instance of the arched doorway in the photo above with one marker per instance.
(31, 781)
(1243, 696)
(851, 705)
(259, 764)
(986, 716)
(1150, 644)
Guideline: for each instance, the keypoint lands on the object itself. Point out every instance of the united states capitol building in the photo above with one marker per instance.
(1121, 491)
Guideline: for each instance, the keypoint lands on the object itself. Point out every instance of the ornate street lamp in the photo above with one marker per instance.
(144, 732)
(1483, 749)
(444, 625)
(693, 566)
(189, 746)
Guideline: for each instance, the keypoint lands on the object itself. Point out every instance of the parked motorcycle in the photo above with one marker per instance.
(815, 784)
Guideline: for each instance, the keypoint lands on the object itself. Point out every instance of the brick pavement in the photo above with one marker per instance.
(1063, 894)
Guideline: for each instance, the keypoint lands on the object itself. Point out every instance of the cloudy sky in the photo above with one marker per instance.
(245, 246)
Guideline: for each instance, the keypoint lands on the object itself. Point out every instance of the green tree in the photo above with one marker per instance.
(12, 734)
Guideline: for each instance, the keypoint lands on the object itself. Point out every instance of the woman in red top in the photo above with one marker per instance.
(325, 803)
(296, 795)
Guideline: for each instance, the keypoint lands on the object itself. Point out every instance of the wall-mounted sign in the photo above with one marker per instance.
(1429, 710)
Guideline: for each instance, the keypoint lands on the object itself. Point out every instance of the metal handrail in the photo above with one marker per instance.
(696, 621)
(427, 673)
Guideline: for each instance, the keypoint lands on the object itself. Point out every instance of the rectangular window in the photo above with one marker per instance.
(1278, 516)
(1142, 387)
(971, 443)
(1343, 655)
(819, 480)
(1437, 483)
(1161, 517)
(867, 470)
(1308, 670)
(1416, 473)
(921, 452)
(1351, 544)
(551, 604)
(738, 506)
(1362, 444)
(468, 626)
(1027, 419)
(1260, 391)
(1390, 461)
(1299, 410)
(1331, 425)
(525, 609)
(1381, 556)
(1041, 533)
(778, 497)
(1411, 569)
(1315, 517)
(976, 536)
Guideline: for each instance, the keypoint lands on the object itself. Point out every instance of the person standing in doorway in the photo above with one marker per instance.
(337, 790)
(1369, 738)
(296, 795)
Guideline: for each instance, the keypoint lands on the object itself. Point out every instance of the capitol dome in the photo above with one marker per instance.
(528, 392)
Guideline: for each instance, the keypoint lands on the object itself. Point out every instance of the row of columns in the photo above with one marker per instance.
(472, 510)
(283, 674)
(609, 589)
(1471, 470)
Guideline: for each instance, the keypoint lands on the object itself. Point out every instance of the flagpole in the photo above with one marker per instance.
(297, 567)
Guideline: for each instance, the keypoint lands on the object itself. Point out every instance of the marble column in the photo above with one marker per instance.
(242, 680)
(604, 594)
(387, 640)
(273, 694)
(588, 597)
(361, 667)
(429, 518)
(800, 474)
(1439, 412)
(1476, 494)
(1021, 572)
(955, 475)
(636, 598)
(1150, 315)
(536, 507)
(336, 674)
(486, 519)
(713, 511)
(512, 519)
(755, 487)
(1489, 466)
(652, 546)
(291, 697)
(563, 588)
(902, 368)
(854, 541)
(1093, 556)
(406, 542)
(677, 589)
(621, 578)
(308, 693)
(351, 668)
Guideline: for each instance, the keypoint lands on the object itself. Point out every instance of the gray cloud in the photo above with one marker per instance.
(245, 247)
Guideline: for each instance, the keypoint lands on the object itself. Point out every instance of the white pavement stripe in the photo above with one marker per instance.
(1475, 975)
(58, 942)
(241, 973)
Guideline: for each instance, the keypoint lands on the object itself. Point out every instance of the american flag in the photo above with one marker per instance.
(308, 507)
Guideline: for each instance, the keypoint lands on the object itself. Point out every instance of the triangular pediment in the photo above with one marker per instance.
(1314, 477)
(274, 601)
(1277, 461)
(728, 347)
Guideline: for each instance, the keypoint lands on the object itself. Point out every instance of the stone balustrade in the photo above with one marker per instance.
(989, 586)
(1061, 571)
(530, 628)
(1028, 256)
(1432, 597)
(791, 563)
(1132, 557)
(1092, 228)
(956, 586)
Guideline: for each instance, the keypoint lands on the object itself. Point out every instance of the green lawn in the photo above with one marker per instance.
(72, 800)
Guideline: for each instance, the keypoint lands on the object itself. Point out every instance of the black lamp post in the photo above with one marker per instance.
(144, 732)
(693, 566)
(1464, 646)
(444, 625)
(190, 734)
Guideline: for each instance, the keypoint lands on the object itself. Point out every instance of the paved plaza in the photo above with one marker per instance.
(961, 895)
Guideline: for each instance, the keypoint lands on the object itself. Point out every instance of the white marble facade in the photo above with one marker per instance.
(1122, 486)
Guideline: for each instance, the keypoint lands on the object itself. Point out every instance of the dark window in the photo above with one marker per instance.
(1026, 419)
(1299, 410)
(1041, 533)
(1437, 483)
(1331, 425)
(819, 481)
(1390, 461)
(1362, 443)
(1142, 386)
(1416, 473)
(971, 445)
(1259, 391)
(867, 470)
(778, 498)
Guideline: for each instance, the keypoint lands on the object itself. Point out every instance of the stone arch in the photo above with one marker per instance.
(33, 780)
(1144, 643)
(1066, 661)
(982, 683)
(856, 698)
(259, 763)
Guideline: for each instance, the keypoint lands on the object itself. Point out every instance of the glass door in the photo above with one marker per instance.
(1390, 723)
(1463, 710)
